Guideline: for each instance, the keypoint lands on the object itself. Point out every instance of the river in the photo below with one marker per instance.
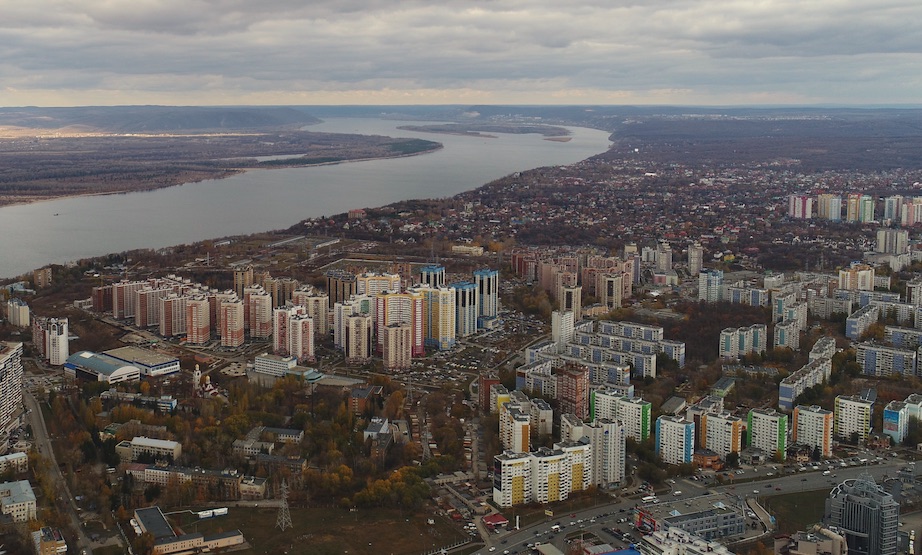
(58, 231)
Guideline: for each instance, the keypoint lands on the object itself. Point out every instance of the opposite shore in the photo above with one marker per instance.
(31, 199)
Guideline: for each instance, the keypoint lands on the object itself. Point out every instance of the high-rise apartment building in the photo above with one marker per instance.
(812, 425)
(301, 337)
(17, 312)
(737, 342)
(280, 289)
(358, 342)
(173, 315)
(487, 282)
(317, 306)
(147, 305)
(243, 278)
(675, 439)
(514, 428)
(896, 421)
(892, 241)
(768, 431)
(432, 275)
(466, 309)
(438, 317)
(866, 209)
(401, 308)
(611, 289)
(636, 415)
(571, 299)
(257, 304)
(608, 451)
(573, 390)
(829, 207)
(709, 284)
(722, 433)
(663, 257)
(198, 320)
(551, 475)
(372, 283)
(893, 207)
(341, 286)
(397, 345)
(231, 322)
(10, 391)
(123, 298)
(512, 483)
(695, 258)
(342, 310)
(852, 418)
(865, 514)
(561, 328)
(800, 207)
(293, 333)
(57, 344)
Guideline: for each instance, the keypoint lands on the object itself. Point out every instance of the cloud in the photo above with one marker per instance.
(325, 51)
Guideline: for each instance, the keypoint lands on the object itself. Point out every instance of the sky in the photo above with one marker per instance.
(270, 52)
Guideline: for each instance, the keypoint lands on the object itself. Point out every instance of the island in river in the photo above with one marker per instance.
(486, 130)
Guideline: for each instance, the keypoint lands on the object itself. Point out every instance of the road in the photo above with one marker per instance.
(606, 516)
(43, 443)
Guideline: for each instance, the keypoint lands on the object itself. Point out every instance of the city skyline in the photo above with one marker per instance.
(407, 52)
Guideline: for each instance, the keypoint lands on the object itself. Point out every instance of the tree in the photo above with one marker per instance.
(144, 544)
(733, 460)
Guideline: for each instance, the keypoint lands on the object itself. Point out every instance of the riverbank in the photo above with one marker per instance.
(248, 202)
(33, 199)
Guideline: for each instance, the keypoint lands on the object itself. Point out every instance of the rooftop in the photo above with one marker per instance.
(140, 356)
(151, 520)
(99, 363)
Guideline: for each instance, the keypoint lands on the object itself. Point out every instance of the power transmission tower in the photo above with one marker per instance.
(284, 519)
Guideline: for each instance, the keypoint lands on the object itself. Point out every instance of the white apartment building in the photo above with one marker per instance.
(57, 344)
(514, 428)
(512, 483)
(608, 451)
(722, 433)
(17, 311)
(17, 501)
(562, 328)
(852, 416)
(675, 439)
(636, 415)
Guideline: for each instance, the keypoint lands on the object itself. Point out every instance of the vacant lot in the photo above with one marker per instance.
(335, 531)
(796, 511)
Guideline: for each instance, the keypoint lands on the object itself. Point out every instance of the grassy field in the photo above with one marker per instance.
(334, 531)
(796, 511)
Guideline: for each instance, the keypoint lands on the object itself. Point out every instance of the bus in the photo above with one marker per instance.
(649, 499)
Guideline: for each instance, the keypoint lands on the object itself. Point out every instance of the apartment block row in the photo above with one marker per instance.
(543, 476)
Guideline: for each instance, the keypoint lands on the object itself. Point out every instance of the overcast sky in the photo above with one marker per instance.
(201, 52)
